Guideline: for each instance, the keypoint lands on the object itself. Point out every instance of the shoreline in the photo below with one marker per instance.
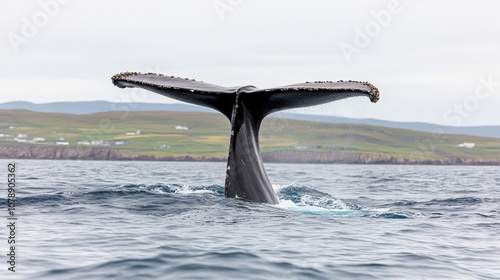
(306, 157)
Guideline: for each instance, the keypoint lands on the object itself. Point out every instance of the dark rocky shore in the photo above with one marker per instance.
(356, 158)
(71, 153)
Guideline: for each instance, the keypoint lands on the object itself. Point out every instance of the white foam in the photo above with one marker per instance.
(189, 191)
(314, 210)
(277, 187)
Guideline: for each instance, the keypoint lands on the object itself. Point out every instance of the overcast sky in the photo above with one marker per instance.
(433, 61)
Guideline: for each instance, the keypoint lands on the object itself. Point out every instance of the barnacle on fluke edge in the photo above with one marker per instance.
(372, 91)
(245, 107)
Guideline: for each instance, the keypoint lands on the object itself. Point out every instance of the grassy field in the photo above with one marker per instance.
(208, 135)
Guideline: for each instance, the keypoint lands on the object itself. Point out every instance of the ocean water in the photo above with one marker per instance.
(170, 220)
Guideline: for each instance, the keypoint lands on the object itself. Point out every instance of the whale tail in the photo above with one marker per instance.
(246, 107)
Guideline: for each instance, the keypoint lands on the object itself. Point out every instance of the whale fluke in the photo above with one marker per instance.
(246, 107)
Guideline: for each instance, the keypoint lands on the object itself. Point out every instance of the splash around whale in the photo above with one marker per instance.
(246, 107)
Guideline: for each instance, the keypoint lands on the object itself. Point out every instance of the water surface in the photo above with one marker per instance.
(170, 220)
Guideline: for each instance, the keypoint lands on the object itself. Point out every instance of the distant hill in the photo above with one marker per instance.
(485, 131)
(90, 107)
(204, 136)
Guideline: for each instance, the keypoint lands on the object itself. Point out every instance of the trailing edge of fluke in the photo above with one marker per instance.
(246, 107)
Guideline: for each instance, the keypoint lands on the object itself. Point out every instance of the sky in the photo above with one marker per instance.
(433, 61)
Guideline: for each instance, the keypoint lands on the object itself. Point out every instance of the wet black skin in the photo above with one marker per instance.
(246, 107)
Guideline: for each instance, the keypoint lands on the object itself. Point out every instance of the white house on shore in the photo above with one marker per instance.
(64, 143)
(138, 132)
(61, 141)
(467, 145)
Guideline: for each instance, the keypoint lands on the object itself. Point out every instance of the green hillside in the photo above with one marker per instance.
(208, 135)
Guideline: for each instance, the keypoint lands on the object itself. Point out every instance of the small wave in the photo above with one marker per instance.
(141, 188)
(188, 265)
(405, 203)
(174, 188)
(300, 195)
(45, 199)
(120, 191)
(293, 198)
(309, 201)
(30, 178)
(460, 201)
(456, 201)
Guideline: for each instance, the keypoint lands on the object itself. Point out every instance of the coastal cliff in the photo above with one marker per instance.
(360, 158)
(71, 153)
